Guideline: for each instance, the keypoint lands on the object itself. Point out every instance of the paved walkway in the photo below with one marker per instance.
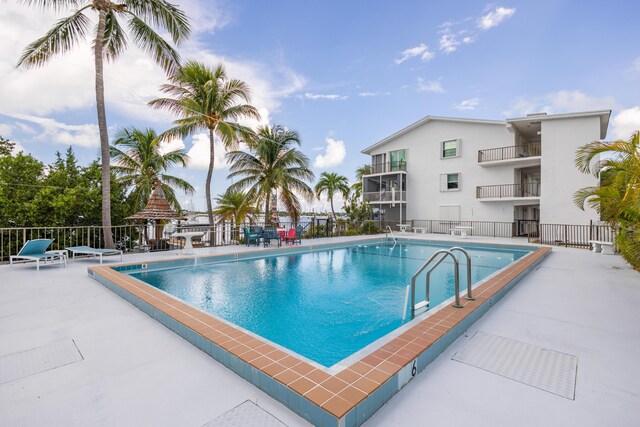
(136, 372)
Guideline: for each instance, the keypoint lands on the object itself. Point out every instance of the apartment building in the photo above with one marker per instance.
(520, 169)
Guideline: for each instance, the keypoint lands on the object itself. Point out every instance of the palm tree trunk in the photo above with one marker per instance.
(104, 136)
(267, 209)
(208, 184)
(332, 211)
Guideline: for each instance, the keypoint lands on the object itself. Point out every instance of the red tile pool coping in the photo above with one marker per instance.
(340, 394)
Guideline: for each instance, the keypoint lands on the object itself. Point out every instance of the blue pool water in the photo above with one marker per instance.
(324, 305)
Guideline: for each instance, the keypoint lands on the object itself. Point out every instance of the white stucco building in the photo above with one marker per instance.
(484, 170)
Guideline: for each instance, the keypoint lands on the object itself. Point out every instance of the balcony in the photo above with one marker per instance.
(385, 197)
(505, 192)
(528, 154)
(387, 167)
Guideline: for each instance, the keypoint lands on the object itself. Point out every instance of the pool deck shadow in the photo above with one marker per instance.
(546, 309)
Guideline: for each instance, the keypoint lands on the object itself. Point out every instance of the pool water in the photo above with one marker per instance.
(324, 305)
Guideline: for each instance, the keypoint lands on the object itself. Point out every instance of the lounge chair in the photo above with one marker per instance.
(36, 250)
(269, 234)
(88, 250)
(249, 237)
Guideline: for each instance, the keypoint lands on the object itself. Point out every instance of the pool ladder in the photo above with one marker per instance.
(445, 253)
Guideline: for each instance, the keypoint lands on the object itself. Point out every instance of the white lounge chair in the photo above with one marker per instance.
(88, 250)
(36, 250)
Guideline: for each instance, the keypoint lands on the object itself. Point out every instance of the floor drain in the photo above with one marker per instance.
(538, 367)
(247, 414)
(37, 360)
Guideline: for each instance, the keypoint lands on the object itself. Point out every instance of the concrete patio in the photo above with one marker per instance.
(137, 372)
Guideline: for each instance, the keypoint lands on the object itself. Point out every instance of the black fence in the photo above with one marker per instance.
(569, 235)
(477, 228)
(144, 238)
(509, 152)
(508, 190)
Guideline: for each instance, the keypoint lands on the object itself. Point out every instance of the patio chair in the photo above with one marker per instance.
(294, 236)
(88, 250)
(36, 250)
(269, 234)
(249, 237)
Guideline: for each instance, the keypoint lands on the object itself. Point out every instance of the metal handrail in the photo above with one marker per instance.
(424, 266)
(466, 254)
(392, 235)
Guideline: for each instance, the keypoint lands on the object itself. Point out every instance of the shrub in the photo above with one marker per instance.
(369, 227)
(351, 232)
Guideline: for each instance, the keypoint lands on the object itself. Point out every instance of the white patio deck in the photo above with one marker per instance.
(136, 372)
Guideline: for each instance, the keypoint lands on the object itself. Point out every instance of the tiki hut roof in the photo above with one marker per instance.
(157, 208)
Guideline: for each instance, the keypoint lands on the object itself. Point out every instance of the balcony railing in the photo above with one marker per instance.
(508, 190)
(386, 196)
(511, 152)
(387, 167)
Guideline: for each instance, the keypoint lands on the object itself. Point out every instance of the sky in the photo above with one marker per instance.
(344, 74)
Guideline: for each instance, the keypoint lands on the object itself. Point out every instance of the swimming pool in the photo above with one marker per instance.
(349, 392)
(324, 305)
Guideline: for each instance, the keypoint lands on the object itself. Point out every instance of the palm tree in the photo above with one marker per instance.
(617, 198)
(332, 183)
(140, 165)
(235, 206)
(274, 165)
(206, 99)
(357, 186)
(109, 41)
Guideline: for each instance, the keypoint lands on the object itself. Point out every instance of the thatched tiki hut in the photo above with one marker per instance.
(158, 210)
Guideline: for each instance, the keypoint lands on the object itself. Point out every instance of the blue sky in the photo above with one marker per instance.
(343, 74)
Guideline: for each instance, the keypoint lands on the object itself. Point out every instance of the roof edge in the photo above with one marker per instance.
(426, 120)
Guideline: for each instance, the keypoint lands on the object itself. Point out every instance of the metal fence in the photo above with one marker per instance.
(143, 238)
(531, 189)
(478, 228)
(570, 235)
(509, 152)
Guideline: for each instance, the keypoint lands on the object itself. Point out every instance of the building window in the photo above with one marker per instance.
(450, 182)
(450, 149)
(398, 160)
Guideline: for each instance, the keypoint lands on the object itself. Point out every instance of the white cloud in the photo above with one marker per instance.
(433, 86)
(562, 101)
(449, 43)
(332, 97)
(85, 135)
(467, 104)
(635, 67)
(422, 50)
(368, 94)
(5, 130)
(65, 84)
(625, 123)
(199, 153)
(168, 146)
(495, 17)
(334, 154)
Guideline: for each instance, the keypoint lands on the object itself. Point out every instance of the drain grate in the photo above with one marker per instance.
(37, 360)
(247, 414)
(538, 367)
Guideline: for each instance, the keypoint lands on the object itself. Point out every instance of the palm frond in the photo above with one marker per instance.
(162, 14)
(115, 39)
(149, 41)
(61, 38)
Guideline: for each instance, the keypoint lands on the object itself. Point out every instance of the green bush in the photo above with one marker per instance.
(350, 232)
(369, 227)
(629, 245)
